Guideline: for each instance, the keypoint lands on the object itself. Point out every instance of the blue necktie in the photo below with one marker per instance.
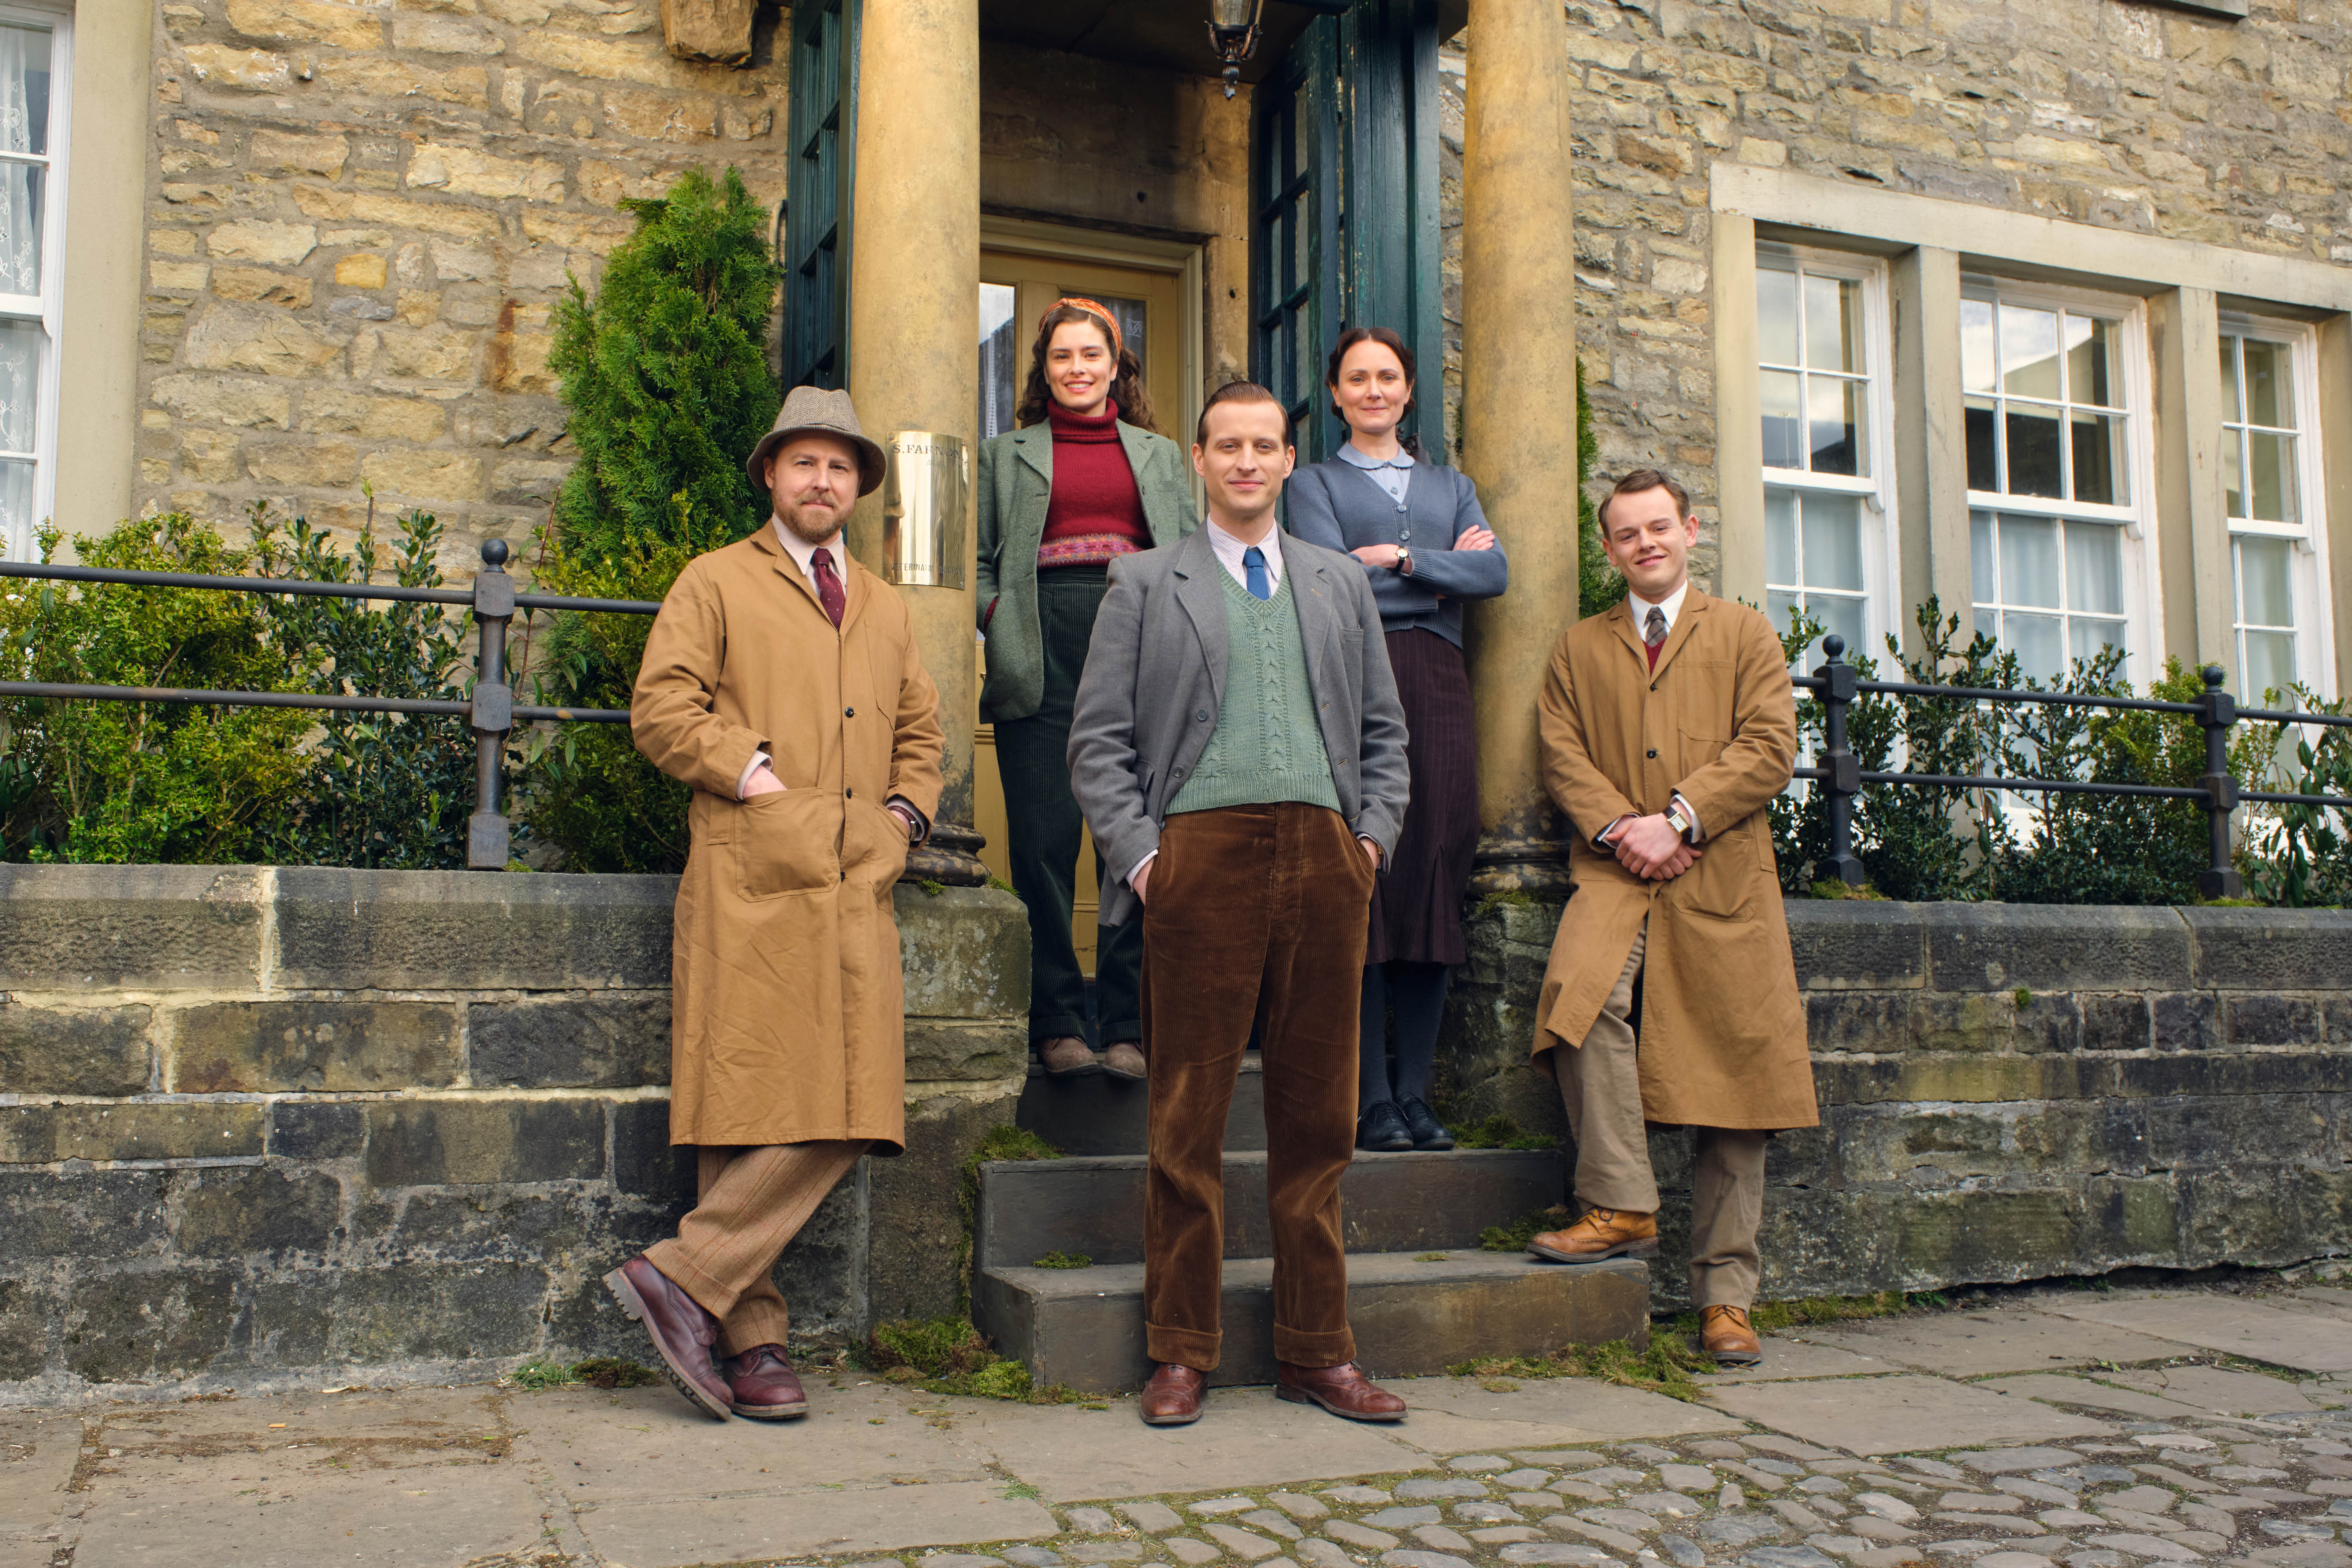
(1254, 563)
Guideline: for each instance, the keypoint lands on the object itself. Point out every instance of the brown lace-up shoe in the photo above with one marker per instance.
(1342, 1390)
(1067, 1056)
(765, 1386)
(1725, 1335)
(1124, 1059)
(1173, 1397)
(1601, 1233)
(681, 1330)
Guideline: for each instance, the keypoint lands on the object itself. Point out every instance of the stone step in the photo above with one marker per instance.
(1389, 1202)
(1099, 1114)
(1084, 1327)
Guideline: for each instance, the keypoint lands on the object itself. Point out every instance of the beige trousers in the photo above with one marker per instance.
(749, 1203)
(1601, 1087)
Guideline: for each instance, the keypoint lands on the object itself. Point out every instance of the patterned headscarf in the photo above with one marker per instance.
(1117, 347)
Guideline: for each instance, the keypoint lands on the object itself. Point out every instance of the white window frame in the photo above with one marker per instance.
(2314, 640)
(48, 307)
(1881, 546)
(2143, 581)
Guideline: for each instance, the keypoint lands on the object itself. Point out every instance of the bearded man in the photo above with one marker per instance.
(780, 682)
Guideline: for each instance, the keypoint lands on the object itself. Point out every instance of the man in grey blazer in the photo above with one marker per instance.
(1239, 751)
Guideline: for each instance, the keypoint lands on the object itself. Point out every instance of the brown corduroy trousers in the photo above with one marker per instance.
(1254, 914)
(749, 1203)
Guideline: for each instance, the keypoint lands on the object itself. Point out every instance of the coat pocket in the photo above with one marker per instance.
(874, 844)
(1697, 750)
(788, 841)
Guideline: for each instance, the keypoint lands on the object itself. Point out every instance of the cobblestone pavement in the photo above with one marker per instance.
(2122, 1429)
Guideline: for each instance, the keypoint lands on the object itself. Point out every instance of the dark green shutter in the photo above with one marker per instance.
(814, 350)
(1295, 234)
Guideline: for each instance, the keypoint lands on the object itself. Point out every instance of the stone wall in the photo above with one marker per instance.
(257, 1121)
(2011, 1092)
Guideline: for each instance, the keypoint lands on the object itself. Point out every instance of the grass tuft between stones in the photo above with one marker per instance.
(948, 1355)
(1665, 1367)
(1498, 1132)
(596, 1372)
(1060, 1259)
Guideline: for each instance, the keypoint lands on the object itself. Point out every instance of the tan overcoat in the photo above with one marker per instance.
(1722, 1029)
(787, 1017)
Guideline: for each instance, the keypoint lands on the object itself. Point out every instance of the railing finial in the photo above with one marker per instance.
(1834, 645)
(494, 555)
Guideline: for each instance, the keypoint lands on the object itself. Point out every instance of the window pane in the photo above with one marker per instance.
(20, 378)
(1841, 616)
(17, 519)
(2038, 642)
(2271, 460)
(1783, 445)
(1984, 445)
(2028, 561)
(2099, 454)
(1781, 541)
(1989, 624)
(2233, 475)
(20, 228)
(2095, 568)
(2270, 390)
(25, 91)
(1980, 558)
(998, 354)
(2269, 664)
(2029, 352)
(1833, 324)
(2086, 636)
(1127, 313)
(1976, 346)
(2233, 407)
(1834, 418)
(2265, 582)
(1775, 314)
(1777, 605)
(2091, 376)
(2033, 452)
(1833, 543)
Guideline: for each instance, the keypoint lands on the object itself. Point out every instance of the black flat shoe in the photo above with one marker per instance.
(1427, 1131)
(1381, 1128)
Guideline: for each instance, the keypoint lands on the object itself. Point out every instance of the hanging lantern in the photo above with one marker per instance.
(1233, 33)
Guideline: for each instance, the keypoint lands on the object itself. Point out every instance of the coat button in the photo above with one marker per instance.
(1653, 756)
(1202, 714)
(849, 794)
(1403, 534)
(849, 712)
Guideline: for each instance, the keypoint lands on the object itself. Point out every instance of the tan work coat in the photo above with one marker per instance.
(787, 1017)
(1722, 1029)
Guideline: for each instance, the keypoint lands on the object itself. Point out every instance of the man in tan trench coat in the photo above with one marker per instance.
(780, 681)
(1668, 724)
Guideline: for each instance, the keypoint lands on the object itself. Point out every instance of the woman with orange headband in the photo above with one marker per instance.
(1084, 479)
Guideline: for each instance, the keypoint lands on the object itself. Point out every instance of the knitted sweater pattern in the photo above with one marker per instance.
(1095, 512)
(1267, 745)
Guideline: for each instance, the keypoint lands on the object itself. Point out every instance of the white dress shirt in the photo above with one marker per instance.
(1670, 606)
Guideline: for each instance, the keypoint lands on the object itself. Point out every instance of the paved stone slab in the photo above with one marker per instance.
(1786, 1358)
(42, 1450)
(1247, 1438)
(2221, 1391)
(2306, 1340)
(1453, 1414)
(1896, 1414)
(2130, 1403)
(673, 1533)
(2013, 1340)
(411, 1515)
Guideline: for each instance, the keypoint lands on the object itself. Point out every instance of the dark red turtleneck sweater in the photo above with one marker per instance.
(1095, 512)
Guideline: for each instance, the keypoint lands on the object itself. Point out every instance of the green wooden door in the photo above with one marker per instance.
(813, 326)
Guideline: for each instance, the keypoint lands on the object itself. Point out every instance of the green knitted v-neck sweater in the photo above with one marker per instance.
(1267, 745)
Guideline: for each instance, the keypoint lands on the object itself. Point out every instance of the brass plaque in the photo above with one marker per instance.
(925, 494)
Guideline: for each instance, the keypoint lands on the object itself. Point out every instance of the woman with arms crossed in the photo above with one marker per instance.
(1416, 527)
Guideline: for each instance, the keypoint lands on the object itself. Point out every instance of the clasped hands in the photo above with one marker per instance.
(1386, 554)
(1650, 848)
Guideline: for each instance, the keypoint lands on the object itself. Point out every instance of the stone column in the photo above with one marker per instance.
(914, 329)
(1519, 419)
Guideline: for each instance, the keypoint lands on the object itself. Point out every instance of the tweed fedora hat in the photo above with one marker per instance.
(815, 411)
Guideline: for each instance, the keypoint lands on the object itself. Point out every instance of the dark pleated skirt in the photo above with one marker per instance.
(1417, 906)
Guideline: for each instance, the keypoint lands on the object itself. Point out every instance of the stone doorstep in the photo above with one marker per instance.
(1095, 1113)
(1084, 1327)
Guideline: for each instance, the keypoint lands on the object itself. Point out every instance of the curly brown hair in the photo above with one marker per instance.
(1126, 383)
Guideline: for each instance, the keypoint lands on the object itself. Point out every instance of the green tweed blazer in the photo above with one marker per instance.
(1016, 481)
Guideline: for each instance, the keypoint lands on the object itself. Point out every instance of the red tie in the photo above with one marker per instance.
(828, 585)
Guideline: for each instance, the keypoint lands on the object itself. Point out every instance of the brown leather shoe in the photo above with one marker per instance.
(1173, 1397)
(765, 1386)
(1601, 1233)
(681, 1330)
(1068, 1056)
(1725, 1335)
(1342, 1390)
(1124, 1059)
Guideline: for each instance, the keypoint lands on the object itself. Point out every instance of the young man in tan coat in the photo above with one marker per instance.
(1668, 724)
(783, 683)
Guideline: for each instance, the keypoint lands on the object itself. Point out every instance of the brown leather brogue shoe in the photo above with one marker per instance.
(1601, 1233)
(765, 1386)
(1124, 1059)
(1725, 1335)
(1173, 1397)
(1342, 1390)
(1068, 1056)
(681, 1330)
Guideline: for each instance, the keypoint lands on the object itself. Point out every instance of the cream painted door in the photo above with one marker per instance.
(1016, 288)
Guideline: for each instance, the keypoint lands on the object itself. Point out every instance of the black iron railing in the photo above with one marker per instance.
(1835, 684)
(492, 712)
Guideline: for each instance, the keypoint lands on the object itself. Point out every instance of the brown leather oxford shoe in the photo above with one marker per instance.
(1173, 1397)
(765, 1386)
(681, 1330)
(1342, 1390)
(1725, 1335)
(1601, 1233)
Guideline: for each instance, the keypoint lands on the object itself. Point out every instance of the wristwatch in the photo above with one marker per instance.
(1679, 820)
(1404, 560)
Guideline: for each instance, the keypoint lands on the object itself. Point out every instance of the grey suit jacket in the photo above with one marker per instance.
(1155, 682)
